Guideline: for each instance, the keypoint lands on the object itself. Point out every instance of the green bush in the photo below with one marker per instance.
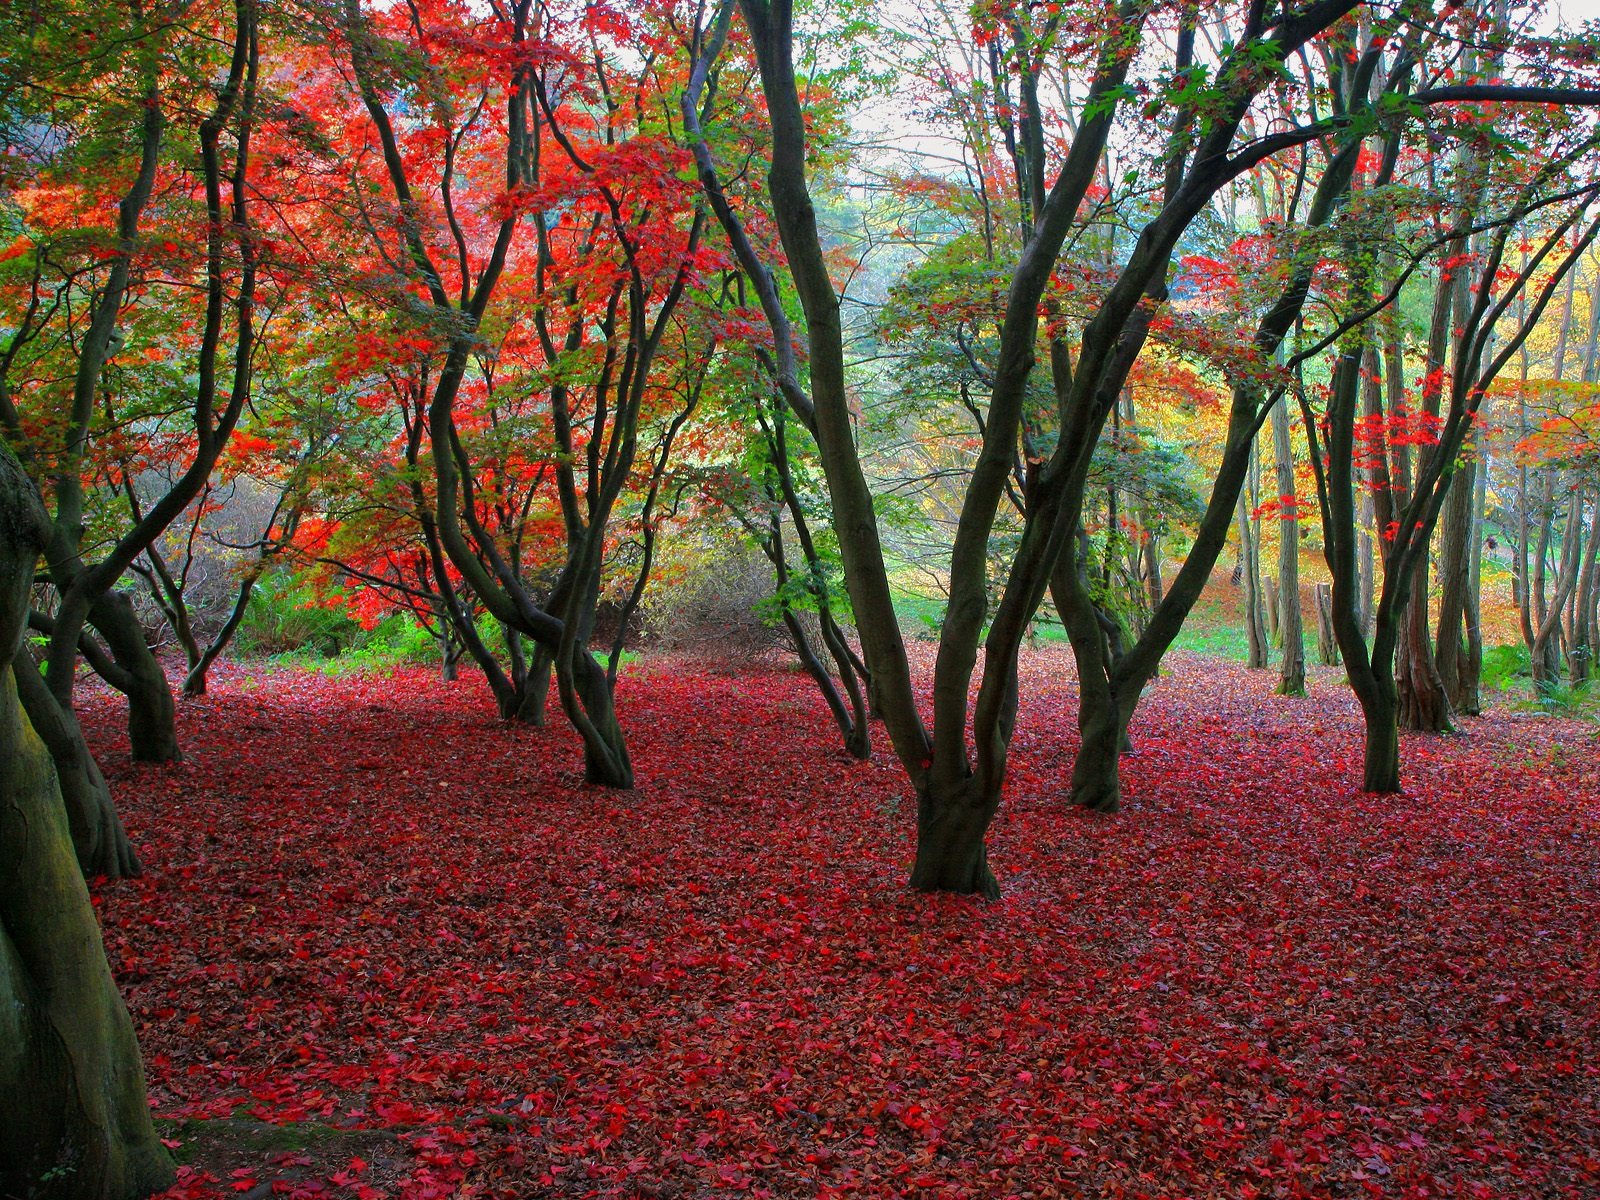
(286, 617)
(1504, 666)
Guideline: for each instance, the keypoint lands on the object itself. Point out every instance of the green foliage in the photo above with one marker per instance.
(286, 616)
(1505, 666)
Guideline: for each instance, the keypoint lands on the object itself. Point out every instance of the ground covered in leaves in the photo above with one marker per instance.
(390, 946)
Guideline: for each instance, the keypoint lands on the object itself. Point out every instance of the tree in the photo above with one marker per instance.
(1483, 339)
(77, 315)
(958, 791)
(78, 1122)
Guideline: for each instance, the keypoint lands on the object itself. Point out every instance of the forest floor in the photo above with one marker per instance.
(388, 946)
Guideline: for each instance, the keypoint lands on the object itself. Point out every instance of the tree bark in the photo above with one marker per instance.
(951, 853)
(1250, 576)
(1292, 677)
(98, 835)
(152, 714)
(1327, 640)
(1456, 529)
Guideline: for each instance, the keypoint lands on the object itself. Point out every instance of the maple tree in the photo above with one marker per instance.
(78, 279)
(491, 302)
(958, 782)
(67, 1048)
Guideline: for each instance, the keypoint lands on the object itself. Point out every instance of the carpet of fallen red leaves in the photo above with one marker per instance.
(372, 905)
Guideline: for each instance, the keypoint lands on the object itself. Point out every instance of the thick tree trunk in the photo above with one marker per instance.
(77, 1124)
(1103, 737)
(152, 714)
(76, 1119)
(1380, 760)
(98, 836)
(951, 855)
(1423, 703)
(533, 700)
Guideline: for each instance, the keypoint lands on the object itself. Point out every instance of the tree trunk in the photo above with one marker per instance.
(194, 683)
(1424, 705)
(951, 855)
(1380, 760)
(1366, 569)
(1292, 678)
(1250, 575)
(98, 836)
(533, 701)
(1103, 734)
(1455, 578)
(1468, 698)
(152, 714)
(1580, 659)
(1327, 642)
(77, 1119)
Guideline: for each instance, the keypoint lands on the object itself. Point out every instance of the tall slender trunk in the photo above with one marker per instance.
(1250, 573)
(1580, 660)
(98, 835)
(1292, 678)
(1456, 530)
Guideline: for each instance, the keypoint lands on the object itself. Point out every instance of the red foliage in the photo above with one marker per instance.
(371, 904)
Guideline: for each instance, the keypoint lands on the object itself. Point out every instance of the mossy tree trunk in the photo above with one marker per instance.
(76, 1120)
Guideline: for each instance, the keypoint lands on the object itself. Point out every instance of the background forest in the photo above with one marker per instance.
(557, 345)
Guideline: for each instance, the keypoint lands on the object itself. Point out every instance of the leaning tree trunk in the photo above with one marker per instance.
(77, 1125)
(98, 836)
(152, 715)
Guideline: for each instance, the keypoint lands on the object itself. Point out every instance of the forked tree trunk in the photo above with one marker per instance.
(77, 1119)
(1424, 706)
(196, 678)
